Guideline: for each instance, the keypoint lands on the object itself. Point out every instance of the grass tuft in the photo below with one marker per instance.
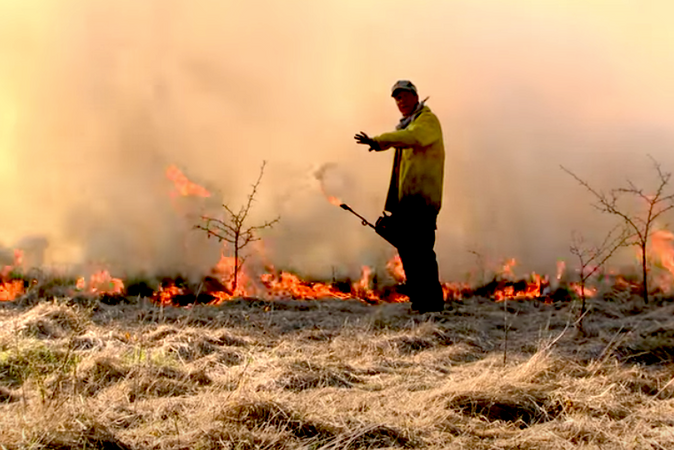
(32, 360)
(50, 321)
(522, 406)
(263, 414)
(96, 374)
(377, 436)
(94, 437)
(301, 375)
(653, 346)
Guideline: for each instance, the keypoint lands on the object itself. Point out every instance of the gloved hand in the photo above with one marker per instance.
(363, 138)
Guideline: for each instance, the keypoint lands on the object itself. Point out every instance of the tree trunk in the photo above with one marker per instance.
(582, 297)
(644, 272)
(236, 264)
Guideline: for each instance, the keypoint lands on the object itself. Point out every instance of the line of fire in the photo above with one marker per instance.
(221, 285)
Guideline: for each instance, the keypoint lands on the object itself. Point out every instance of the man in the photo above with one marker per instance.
(415, 193)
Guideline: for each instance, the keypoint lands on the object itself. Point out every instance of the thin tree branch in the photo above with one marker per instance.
(640, 226)
(231, 228)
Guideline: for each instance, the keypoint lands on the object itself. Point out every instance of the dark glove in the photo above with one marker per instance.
(363, 138)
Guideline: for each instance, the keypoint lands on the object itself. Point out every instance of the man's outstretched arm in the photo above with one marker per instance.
(421, 133)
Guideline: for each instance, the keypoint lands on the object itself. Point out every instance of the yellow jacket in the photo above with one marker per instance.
(418, 165)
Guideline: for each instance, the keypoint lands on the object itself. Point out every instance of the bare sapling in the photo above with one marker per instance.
(592, 257)
(639, 226)
(234, 230)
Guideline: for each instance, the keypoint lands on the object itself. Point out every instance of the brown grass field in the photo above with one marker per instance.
(251, 374)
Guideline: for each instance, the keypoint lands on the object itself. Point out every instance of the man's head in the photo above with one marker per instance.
(406, 97)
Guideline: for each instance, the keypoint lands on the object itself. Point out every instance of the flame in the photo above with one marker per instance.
(561, 268)
(507, 268)
(183, 185)
(275, 284)
(10, 289)
(662, 251)
(334, 200)
(224, 271)
(166, 293)
(505, 293)
(280, 284)
(589, 291)
(320, 175)
(455, 291)
(395, 268)
(101, 282)
(624, 284)
(530, 289)
(286, 285)
(362, 287)
(661, 246)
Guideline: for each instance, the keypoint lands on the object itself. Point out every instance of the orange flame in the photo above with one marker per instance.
(454, 291)
(334, 200)
(507, 269)
(561, 268)
(531, 289)
(224, 270)
(287, 284)
(662, 251)
(183, 185)
(362, 287)
(165, 294)
(319, 175)
(101, 282)
(589, 291)
(395, 268)
(11, 289)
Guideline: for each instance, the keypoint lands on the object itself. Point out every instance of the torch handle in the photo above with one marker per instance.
(363, 219)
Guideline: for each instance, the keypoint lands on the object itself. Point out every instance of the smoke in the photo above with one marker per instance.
(99, 97)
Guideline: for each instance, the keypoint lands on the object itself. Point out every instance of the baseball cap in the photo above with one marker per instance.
(404, 85)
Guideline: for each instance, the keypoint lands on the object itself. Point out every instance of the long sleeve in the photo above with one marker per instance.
(424, 131)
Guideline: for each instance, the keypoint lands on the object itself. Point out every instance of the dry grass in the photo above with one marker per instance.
(334, 375)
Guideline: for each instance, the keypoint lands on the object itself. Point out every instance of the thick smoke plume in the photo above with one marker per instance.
(99, 97)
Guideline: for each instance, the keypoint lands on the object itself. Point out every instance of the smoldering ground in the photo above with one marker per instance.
(98, 98)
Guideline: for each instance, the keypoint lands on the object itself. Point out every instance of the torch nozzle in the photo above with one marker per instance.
(363, 219)
(384, 233)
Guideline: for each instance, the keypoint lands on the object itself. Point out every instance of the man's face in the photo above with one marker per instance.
(406, 101)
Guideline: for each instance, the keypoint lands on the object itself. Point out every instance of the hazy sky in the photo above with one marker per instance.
(99, 97)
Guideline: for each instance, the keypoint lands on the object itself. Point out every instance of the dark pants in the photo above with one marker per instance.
(415, 247)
